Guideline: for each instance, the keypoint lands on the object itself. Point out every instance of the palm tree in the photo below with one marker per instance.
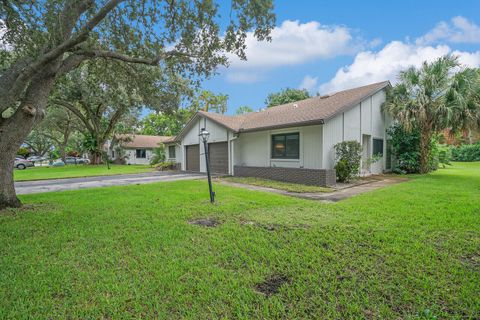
(434, 97)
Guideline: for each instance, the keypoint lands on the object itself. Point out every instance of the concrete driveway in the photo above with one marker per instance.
(26, 187)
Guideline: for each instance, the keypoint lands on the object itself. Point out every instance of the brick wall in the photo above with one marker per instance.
(317, 177)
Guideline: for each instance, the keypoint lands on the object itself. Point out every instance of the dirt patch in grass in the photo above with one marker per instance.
(205, 222)
(271, 285)
(472, 260)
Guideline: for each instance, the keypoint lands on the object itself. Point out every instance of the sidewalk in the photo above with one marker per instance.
(341, 193)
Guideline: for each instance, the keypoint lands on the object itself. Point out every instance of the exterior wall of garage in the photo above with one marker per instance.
(217, 132)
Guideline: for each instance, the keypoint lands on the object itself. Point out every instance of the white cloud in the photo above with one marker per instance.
(369, 67)
(458, 30)
(309, 83)
(294, 43)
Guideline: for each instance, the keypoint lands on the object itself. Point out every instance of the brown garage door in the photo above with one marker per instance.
(218, 154)
(193, 157)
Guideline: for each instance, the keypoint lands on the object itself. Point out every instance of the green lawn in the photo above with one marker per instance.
(408, 251)
(74, 171)
(291, 187)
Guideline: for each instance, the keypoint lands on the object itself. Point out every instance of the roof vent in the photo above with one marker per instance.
(295, 106)
(325, 96)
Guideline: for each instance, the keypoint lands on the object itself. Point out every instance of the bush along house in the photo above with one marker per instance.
(293, 142)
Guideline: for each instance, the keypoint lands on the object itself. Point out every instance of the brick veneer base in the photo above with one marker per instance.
(317, 177)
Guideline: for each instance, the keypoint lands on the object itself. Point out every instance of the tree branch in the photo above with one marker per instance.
(22, 79)
(75, 111)
(98, 53)
(113, 120)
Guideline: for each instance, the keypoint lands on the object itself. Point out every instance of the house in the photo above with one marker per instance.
(135, 148)
(293, 142)
(462, 137)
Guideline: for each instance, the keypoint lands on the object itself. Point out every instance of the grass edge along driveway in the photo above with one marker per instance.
(407, 251)
(77, 171)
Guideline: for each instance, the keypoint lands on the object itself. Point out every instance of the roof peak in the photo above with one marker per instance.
(310, 111)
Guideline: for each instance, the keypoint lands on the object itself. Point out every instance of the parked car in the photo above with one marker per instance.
(58, 163)
(76, 160)
(22, 164)
(36, 159)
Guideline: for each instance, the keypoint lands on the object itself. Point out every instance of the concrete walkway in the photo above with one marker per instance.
(337, 195)
(26, 187)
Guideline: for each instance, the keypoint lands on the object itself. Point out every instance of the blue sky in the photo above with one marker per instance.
(326, 46)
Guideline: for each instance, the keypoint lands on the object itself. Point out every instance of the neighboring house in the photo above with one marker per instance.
(462, 137)
(292, 142)
(135, 148)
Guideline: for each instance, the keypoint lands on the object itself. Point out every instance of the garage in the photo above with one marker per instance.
(218, 154)
(193, 157)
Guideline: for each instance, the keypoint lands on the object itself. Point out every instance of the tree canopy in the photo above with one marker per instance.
(244, 110)
(209, 102)
(48, 39)
(165, 124)
(434, 97)
(286, 95)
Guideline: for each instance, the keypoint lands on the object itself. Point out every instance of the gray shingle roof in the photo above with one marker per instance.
(314, 110)
(142, 141)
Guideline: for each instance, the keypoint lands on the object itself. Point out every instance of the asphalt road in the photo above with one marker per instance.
(26, 187)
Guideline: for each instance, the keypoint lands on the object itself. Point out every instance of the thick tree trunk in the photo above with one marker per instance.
(14, 131)
(425, 150)
(8, 198)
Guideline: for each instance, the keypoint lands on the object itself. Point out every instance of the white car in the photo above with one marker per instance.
(36, 159)
(22, 164)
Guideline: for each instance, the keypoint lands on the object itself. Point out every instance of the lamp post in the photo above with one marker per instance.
(204, 134)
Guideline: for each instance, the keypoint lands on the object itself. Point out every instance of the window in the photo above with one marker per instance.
(141, 153)
(378, 147)
(171, 151)
(286, 146)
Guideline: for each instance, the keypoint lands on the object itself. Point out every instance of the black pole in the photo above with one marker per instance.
(207, 160)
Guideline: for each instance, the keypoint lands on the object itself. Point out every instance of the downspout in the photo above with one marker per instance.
(232, 153)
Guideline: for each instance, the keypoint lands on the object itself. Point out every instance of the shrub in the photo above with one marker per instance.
(406, 150)
(347, 155)
(23, 152)
(165, 165)
(444, 155)
(466, 152)
(158, 155)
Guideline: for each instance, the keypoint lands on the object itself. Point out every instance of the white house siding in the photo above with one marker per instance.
(352, 124)
(364, 119)
(252, 149)
(332, 134)
(131, 156)
(366, 116)
(217, 134)
(379, 127)
(178, 153)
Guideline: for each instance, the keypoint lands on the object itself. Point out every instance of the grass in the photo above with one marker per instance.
(291, 187)
(408, 251)
(75, 171)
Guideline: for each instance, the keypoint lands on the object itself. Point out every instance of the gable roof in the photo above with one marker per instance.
(315, 110)
(141, 141)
